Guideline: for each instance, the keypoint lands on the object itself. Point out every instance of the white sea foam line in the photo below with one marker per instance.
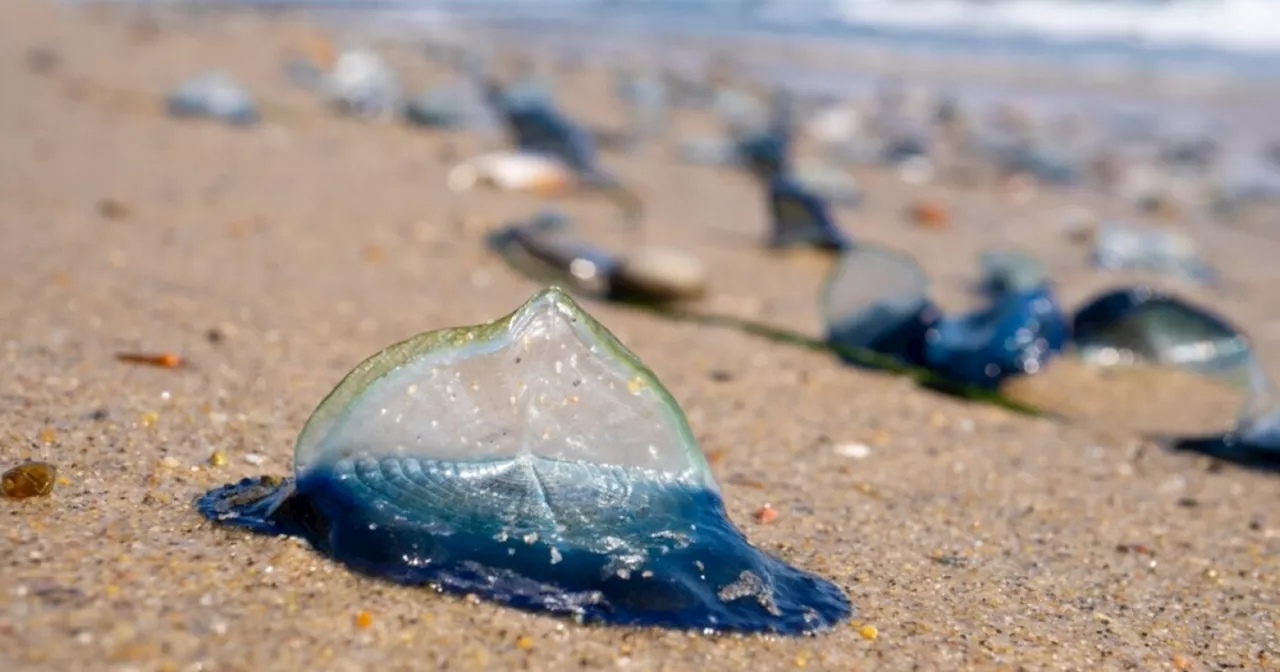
(1232, 24)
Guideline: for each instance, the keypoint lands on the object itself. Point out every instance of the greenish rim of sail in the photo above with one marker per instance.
(398, 354)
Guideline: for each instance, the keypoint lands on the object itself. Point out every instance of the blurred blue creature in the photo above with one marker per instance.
(877, 299)
(459, 105)
(213, 95)
(647, 100)
(1139, 324)
(1120, 247)
(537, 126)
(1254, 441)
(799, 215)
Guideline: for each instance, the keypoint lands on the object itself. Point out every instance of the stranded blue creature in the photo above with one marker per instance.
(533, 461)
(879, 300)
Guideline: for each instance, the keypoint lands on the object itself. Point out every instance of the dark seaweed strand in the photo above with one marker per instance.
(864, 357)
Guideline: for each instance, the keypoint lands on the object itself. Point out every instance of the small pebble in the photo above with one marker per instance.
(766, 514)
(364, 619)
(33, 479)
(113, 208)
(524, 642)
(149, 418)
(218, 459)
(869, 631)
(856, 451)
(662, 274)
(930, 214)
(254, 459)
(169, 462)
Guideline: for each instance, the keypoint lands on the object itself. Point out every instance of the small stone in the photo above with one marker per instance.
(931, 214)
(32, 479)
(149, 418)
(857, 451)
(1181, 662)
(169, 462)
(766, 514)
(254, 459)
(364, 619)
(869, 631)
(524, 642)
(48, 435)
(218, 459)
(113, 208)
(661, 274)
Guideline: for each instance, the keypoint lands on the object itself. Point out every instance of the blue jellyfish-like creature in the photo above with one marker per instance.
(878, 299)
(534, 461)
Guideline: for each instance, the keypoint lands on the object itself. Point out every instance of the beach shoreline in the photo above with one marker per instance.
(277, 257)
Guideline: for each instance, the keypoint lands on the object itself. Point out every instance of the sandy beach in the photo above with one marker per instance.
(276, 258)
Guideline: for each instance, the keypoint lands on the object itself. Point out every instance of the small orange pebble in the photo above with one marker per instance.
(929, 213)
(48, 435)
(167, 360)
(364, 619)
(320, 50)
(869, 631)
(1181, 662)
(549, 184)
(524, 642)
(372, 253)
(766, 514)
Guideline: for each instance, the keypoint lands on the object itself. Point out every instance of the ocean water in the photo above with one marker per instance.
(1208, 65)
(1236, 37)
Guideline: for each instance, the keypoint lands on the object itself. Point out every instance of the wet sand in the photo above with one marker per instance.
(276, 258)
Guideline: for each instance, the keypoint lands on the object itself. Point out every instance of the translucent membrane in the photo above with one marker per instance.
(874, 297)
(534, 461)
(1129, 248)
(1140, 325)
(1011, 270)
(215, 95)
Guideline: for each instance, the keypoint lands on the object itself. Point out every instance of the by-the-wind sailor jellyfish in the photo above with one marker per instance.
(801, 217)
(877, 299)
(533, 461)
(1255, 439)
(546, 248)
(1118, 247)
(214, 95)
(362, 84)
(1139, 324)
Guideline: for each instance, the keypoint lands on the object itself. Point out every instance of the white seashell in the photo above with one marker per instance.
(511, 171)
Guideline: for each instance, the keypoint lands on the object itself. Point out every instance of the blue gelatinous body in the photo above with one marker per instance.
(879, 300)
(1255, 440)
(1018, 333)
(213, 95)
(537, 126)
(534, 461)
(800, 216)
(669, 555)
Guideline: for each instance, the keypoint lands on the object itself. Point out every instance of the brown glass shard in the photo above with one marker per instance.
(33, 479)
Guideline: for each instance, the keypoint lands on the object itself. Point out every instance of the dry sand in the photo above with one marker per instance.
(972, 538)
